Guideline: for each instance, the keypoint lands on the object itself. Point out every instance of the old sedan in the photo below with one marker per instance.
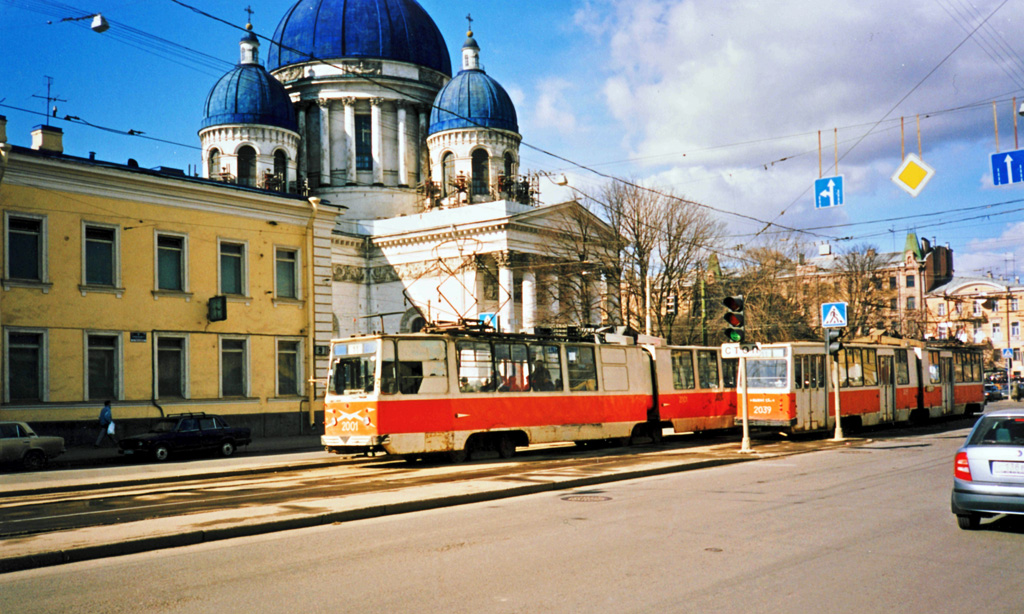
(988, 473)
(193, 432)
(20, 444)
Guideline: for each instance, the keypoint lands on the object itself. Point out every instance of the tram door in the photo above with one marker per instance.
(809, 383)
(886, 389)
(948, 400)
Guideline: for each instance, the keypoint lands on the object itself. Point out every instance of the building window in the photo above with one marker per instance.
(1014, 305)
(976, 310)
(510, 166)
(170, 262)
(170, 367)
(447, 173)
(364, 142)
(942, 309)
(910, 281)
(892, 282)
(288, 365)
(213, 164)
(996, 330)
(100, 255)
(1015, 330)
(286, 273)
(911, 302)
(25, 366)
(233, 370)
(25, 248)
(894, 304)
(232, 268)
(281, 170)
(1016, 354)
(481, 179)
(247, 166)
(102, 366)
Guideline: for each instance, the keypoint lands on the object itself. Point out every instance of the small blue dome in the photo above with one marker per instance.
(378, 29)
(472, 100)
(249, 95)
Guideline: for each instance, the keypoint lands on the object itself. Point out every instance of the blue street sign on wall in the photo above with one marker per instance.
(828, 192)
(1008, 167)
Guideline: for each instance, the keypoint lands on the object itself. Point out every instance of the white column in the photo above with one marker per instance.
(422, 156)
(325, 141)
(529, 300)
(551, 281)
(303, 140)
(506, 306)
(377, 129)
(403, 146)
(350, 139)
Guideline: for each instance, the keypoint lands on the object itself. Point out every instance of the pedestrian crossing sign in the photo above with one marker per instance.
(833, 315)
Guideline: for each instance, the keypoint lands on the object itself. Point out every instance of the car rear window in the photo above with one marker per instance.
(998, 431)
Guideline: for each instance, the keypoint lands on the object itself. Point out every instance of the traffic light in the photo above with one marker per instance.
(833, 341)
(672, 307)
(735, 321)
(217, 309)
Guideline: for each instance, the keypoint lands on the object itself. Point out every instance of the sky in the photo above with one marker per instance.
(721, 103)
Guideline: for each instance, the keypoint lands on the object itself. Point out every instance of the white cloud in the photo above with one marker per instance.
(554, 105)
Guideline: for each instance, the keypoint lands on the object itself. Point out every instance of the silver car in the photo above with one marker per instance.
(20, 444)
(988, 473)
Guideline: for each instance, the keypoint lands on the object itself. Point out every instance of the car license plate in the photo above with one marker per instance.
(1007, 468)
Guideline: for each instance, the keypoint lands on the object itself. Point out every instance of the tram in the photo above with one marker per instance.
(878, 384)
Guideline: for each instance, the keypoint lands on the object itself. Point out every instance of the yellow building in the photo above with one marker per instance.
(108, 275)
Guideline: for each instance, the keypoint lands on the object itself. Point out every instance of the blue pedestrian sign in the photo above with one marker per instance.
(833, 315)
(1007, 352)
(828, 192)
(1008, 167)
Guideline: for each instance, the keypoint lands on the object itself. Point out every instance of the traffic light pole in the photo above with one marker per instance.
(745, 445)
(839, 423)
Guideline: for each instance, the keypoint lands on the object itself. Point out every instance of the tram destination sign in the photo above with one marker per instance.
(740, 350)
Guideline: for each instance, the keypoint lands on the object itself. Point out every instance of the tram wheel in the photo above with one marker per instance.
(458, 456)
(506, 446)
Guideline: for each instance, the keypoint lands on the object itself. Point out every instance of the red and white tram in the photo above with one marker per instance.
(879, 384)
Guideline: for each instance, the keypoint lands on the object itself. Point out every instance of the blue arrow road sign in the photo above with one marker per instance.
(833, 315)
(828, 192)
(1008, 167)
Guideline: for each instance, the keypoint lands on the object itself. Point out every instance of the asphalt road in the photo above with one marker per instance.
(842, 530)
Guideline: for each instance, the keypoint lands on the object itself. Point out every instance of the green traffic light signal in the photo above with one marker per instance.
(735, 320)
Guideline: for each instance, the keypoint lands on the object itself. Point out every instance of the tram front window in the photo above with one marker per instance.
(769, 373)
(354, 368)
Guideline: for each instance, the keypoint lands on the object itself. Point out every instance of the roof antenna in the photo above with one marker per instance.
(49, 99)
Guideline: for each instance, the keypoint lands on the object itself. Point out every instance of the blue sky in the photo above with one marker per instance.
(718, 102)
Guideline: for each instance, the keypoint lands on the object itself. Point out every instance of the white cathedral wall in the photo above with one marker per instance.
(264, 139)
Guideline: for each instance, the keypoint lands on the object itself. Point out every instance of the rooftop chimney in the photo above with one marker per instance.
(48, 138)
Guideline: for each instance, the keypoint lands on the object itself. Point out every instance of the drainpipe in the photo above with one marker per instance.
(314, 203)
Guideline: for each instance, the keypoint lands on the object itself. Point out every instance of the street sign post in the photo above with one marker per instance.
(913, 175)
(828, 192)
(740, 350)
(1008, 167)
(833, 315)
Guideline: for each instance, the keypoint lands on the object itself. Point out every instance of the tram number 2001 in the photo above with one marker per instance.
(349, 425)
(762, 410)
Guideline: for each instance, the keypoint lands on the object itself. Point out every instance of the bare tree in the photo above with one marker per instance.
(859, 280)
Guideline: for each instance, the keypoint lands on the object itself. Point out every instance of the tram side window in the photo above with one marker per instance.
(798, 372)
(730, 367)
(582, 367)
(422, 367)
(934, 372)
(766, 373)
(902, 368)
(511, 366)
(613, 369)
(870, 358)
(476, 373)
(545, 368)
(851, 370)
(818, 377)
(707, 369)
(682, 370)
(388, 374)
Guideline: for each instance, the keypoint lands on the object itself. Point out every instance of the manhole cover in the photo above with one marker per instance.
(585, 498)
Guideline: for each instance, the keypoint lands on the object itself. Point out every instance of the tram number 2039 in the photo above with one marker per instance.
(761, 410)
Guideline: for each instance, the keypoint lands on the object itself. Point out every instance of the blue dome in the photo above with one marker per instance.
(249, 95)
(378, 29)
(472, 100)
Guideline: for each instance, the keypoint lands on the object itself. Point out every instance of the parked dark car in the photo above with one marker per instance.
(993, 393)
(193, 432)
(20, 444)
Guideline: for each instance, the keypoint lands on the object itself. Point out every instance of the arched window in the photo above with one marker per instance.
(247, 166)
(213, 164)
(481, 180)
(510, 166)
(281, 170)
(447, 173)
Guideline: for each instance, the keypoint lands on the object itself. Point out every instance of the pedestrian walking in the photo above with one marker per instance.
(107, 427)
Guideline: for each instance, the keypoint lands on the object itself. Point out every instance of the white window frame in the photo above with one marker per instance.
(942, 309)
(44, 261)
(186, 384)
(297, 271)
(115, 254)
(184, 261)
(44, 370)
(118, 358)
(247, 384)
(1014, 330)
(300, 376)
(245, 265)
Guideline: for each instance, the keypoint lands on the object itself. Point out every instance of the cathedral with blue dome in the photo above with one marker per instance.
(356, 105)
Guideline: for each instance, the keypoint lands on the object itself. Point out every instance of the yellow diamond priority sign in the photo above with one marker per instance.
(913, 175)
